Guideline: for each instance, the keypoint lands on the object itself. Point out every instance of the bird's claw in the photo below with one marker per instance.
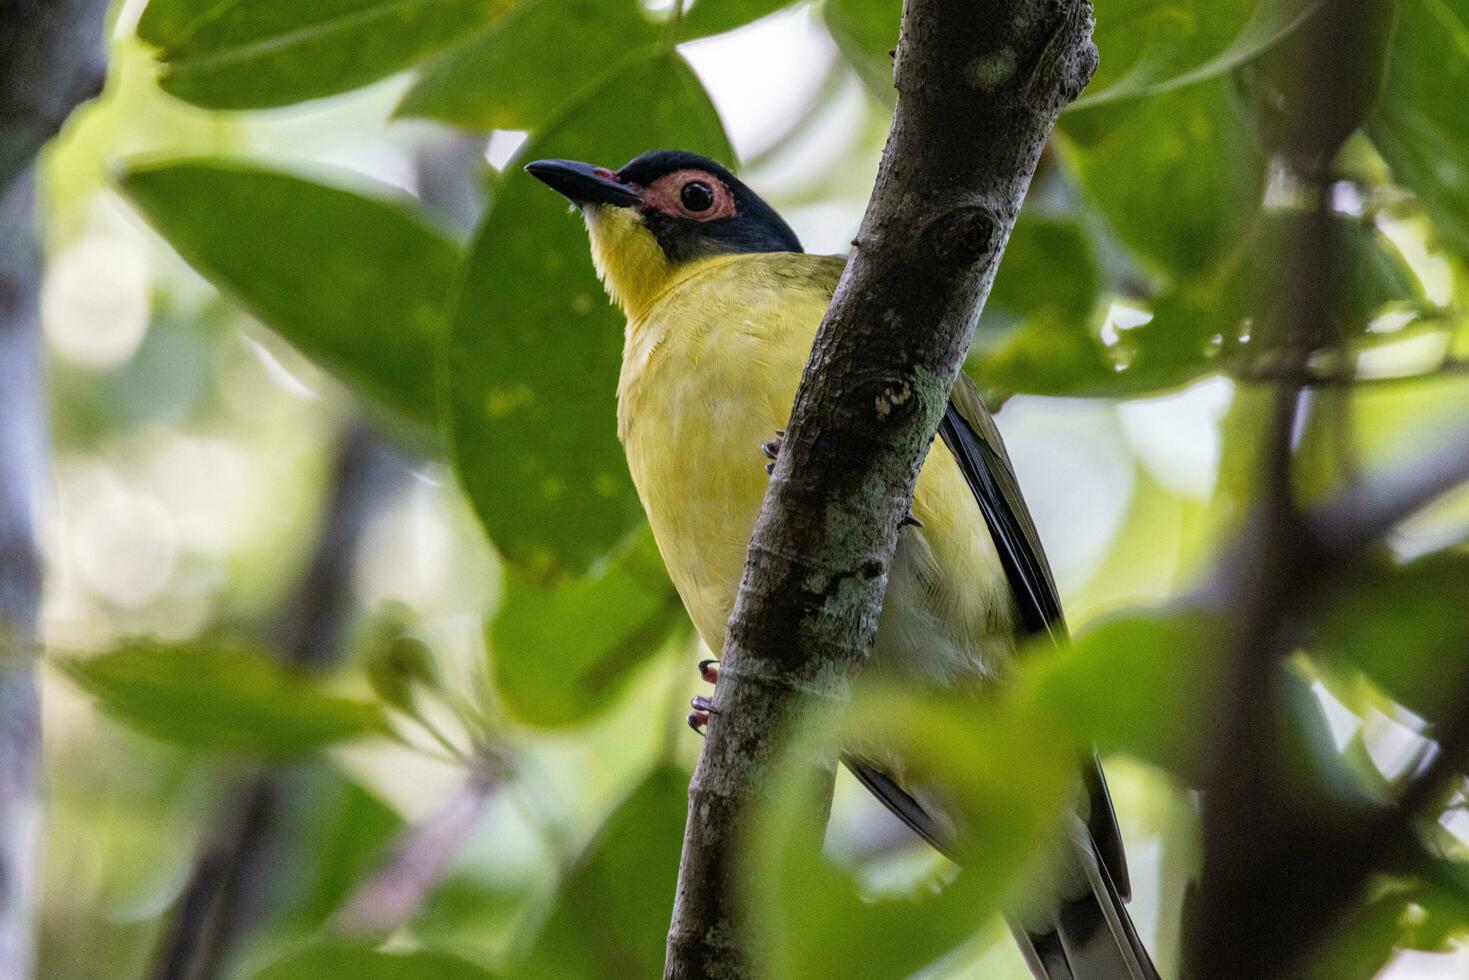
(709, 670)
(699, 717)
(772, 449)
(909, 521)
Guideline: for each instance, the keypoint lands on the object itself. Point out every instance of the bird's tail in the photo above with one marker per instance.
(1090, 935)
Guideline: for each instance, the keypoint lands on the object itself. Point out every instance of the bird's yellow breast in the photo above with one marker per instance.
(709, 372)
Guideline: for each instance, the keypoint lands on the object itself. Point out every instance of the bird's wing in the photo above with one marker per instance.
(969, 430)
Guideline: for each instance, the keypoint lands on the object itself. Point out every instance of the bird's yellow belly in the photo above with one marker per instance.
(696, 460)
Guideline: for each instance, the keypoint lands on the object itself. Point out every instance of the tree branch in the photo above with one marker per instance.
(51, 60)
(979, 88)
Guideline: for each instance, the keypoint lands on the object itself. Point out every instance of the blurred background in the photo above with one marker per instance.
(478, 753)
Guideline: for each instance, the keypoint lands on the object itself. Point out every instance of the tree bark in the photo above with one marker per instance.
(51, 60)
(980, 85)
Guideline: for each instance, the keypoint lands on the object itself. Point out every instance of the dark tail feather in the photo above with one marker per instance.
(1091, 936)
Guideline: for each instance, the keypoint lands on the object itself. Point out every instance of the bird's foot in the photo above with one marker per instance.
(709, 670)
(772, 449)
(909, 521)
(699, 717)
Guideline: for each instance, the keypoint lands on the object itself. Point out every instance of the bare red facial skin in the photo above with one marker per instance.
(666, 194)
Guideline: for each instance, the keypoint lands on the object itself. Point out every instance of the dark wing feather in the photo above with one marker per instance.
(970, 432)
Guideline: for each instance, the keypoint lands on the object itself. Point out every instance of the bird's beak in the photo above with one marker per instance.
(582, 183)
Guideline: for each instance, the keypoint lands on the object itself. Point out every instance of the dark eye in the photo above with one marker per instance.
(696, 196)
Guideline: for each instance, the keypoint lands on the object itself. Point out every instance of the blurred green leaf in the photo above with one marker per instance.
(1399, 914)
(334, 835)
(1404, 627)
(865, 31)
(704, 18)
(521, 70)
(535, 347)
(360, 285)
(1005, 777)
(249, 55)
(1179, 177)
(562, 653)
(1198, 326)
(347, 962)
(1048, 264)
(610, 919)
(1149, 47)
(1144, 684)
(1421, 128)
(220, 696)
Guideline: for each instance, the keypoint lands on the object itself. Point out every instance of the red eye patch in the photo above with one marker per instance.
(691, 194)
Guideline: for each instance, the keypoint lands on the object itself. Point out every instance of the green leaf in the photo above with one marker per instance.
(359, 284)
(1146, 685)
(1178, 177)
(1196, 328)
(1048, 264)
(234, 54)
(1004, 777)
(334, 837)
(564, 652)
(610, 919)
(704, 18)
(1147, 47)
(1421, 128)
(1150, 47)
(520, 71)
(347, 962)
(1404, 628)
(535, 347)
(221, 696)
(865, 31)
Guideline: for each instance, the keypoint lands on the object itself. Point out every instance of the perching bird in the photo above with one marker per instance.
(722, 310)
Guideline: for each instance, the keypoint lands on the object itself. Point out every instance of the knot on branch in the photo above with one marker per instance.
(1067, 60)
(893, 397)
(964, 235)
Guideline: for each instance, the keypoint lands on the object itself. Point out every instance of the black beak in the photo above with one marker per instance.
(582, 183)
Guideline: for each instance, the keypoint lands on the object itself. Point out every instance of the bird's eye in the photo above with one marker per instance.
(696, 196)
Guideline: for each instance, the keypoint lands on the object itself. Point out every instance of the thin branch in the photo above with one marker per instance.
(979, 88)
(51, 60)
(1367, 512)
(391, 895)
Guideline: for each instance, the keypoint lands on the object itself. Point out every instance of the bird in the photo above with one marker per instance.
(722, 306)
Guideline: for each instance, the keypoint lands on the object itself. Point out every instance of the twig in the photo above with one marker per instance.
(1365, 513)
(397, 889)
(978, 93)
(51, 61)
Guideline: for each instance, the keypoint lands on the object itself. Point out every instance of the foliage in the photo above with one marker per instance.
(1145, 267)
(221, 696)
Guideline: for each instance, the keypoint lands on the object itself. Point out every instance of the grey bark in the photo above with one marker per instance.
(979, 88)
(51, 60)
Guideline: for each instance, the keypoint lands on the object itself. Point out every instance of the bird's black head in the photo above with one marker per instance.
(685, 206)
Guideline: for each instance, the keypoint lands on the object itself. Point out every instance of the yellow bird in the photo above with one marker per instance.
(722, 309)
